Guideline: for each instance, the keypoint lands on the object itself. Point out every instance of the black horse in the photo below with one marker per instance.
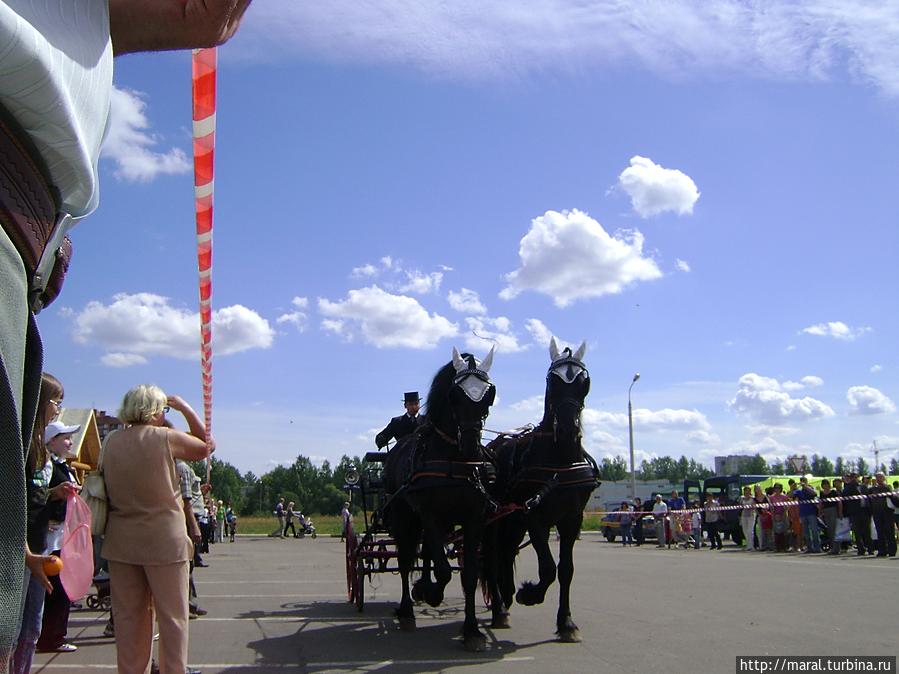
(548, 477)
(436, 480)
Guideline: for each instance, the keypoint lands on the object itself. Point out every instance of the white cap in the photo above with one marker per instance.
(55, 428)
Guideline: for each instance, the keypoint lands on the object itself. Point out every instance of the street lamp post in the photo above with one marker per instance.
(630, 425)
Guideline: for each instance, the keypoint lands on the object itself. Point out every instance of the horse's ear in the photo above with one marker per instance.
(458, 362)
(553, 349)
(488, 359)
(581, 350)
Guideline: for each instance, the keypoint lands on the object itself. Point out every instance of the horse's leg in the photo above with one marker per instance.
(443, 573)
(568, 533)
(511, 533)
(420, 587)
(533, 593)
(406, 534)
(473, 532)
(490, 560)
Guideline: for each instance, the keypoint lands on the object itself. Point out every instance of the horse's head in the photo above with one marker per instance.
(460, 400)
(567, 386)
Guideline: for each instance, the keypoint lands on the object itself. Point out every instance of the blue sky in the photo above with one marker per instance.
(704, 193)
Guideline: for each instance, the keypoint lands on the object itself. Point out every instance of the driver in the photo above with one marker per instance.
(403, 425)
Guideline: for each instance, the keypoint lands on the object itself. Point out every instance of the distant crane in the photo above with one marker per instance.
(877, 451)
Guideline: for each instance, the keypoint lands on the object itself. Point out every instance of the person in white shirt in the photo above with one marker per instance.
(660, 513)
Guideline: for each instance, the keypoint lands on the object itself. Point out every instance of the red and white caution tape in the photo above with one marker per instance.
(204, 70)
(792, 503)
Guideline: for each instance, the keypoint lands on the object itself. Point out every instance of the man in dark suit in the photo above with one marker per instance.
(858, 516)
(403, 425)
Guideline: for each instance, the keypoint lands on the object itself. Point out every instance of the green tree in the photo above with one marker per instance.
(776, 468)
(613, 469)
(861, 466)
(756, 465)
(894, 466)
(697, 471)
(839, 467)
(646, 471)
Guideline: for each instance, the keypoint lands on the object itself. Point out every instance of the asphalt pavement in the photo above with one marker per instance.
(280, 605)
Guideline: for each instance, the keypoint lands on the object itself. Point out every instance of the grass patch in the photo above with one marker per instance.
(332, 524)
(324, 524)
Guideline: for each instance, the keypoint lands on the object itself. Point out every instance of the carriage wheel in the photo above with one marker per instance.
(92, 601)
(351, 552)
(106, 603)
(360, 583)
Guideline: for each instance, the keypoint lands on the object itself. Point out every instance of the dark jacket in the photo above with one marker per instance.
(852, 507)
(398, 428)
(879, 503)
(56, 509)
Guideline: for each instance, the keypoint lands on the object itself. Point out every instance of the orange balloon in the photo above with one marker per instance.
(53, 566)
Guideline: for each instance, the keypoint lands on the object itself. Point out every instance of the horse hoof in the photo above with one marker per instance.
(572, 636)
(500, 623)
(407, 624)
(475, 643)
(525, 597)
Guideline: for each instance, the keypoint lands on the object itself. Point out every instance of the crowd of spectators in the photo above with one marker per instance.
(850, 512)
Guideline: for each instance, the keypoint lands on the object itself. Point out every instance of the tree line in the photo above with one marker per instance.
(319, 489)
(677, 470)
(313, 489)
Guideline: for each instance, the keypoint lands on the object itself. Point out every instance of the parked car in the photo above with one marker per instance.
(610, 526)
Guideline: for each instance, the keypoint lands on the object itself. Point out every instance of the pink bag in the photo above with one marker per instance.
(77, 550)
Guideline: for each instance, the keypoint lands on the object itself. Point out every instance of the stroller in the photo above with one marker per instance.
(102, 601)
(306, 527)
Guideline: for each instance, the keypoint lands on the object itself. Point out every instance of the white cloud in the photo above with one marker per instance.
(812, 39)
(764, 399)
(569, 256)
(654, 189)
(539, 332)
(130, 145)
(497, 330)
(876, 368)
(649, 420)
(837, 330)
(419, 283)
(682, 265)
(122, 359)
(366, 270)
(298, 317)
(703, 437)
(868, 400)
(466, 301)
(807, 381)
(385, 320)
(146, 324)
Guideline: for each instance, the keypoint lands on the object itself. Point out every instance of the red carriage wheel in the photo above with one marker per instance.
(360, 582)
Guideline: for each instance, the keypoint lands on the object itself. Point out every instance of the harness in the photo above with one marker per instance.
(539, 480)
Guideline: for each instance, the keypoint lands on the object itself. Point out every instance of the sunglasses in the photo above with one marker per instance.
(166, 409)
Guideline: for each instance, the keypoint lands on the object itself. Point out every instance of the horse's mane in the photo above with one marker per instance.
(437, 405)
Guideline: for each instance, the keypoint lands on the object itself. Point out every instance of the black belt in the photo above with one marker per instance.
(30, 216)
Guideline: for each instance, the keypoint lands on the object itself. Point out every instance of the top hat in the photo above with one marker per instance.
(411, 397)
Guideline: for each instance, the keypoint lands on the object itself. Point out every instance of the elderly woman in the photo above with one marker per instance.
(146, 541)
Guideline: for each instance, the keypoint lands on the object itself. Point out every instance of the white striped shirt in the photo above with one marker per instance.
(55, 79)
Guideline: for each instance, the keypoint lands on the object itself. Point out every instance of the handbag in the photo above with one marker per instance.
(93, 491)
(77, 550)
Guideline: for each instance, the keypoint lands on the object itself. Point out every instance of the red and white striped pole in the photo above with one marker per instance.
(204, 69)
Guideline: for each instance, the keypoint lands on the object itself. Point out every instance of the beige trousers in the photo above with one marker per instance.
(135, 591)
